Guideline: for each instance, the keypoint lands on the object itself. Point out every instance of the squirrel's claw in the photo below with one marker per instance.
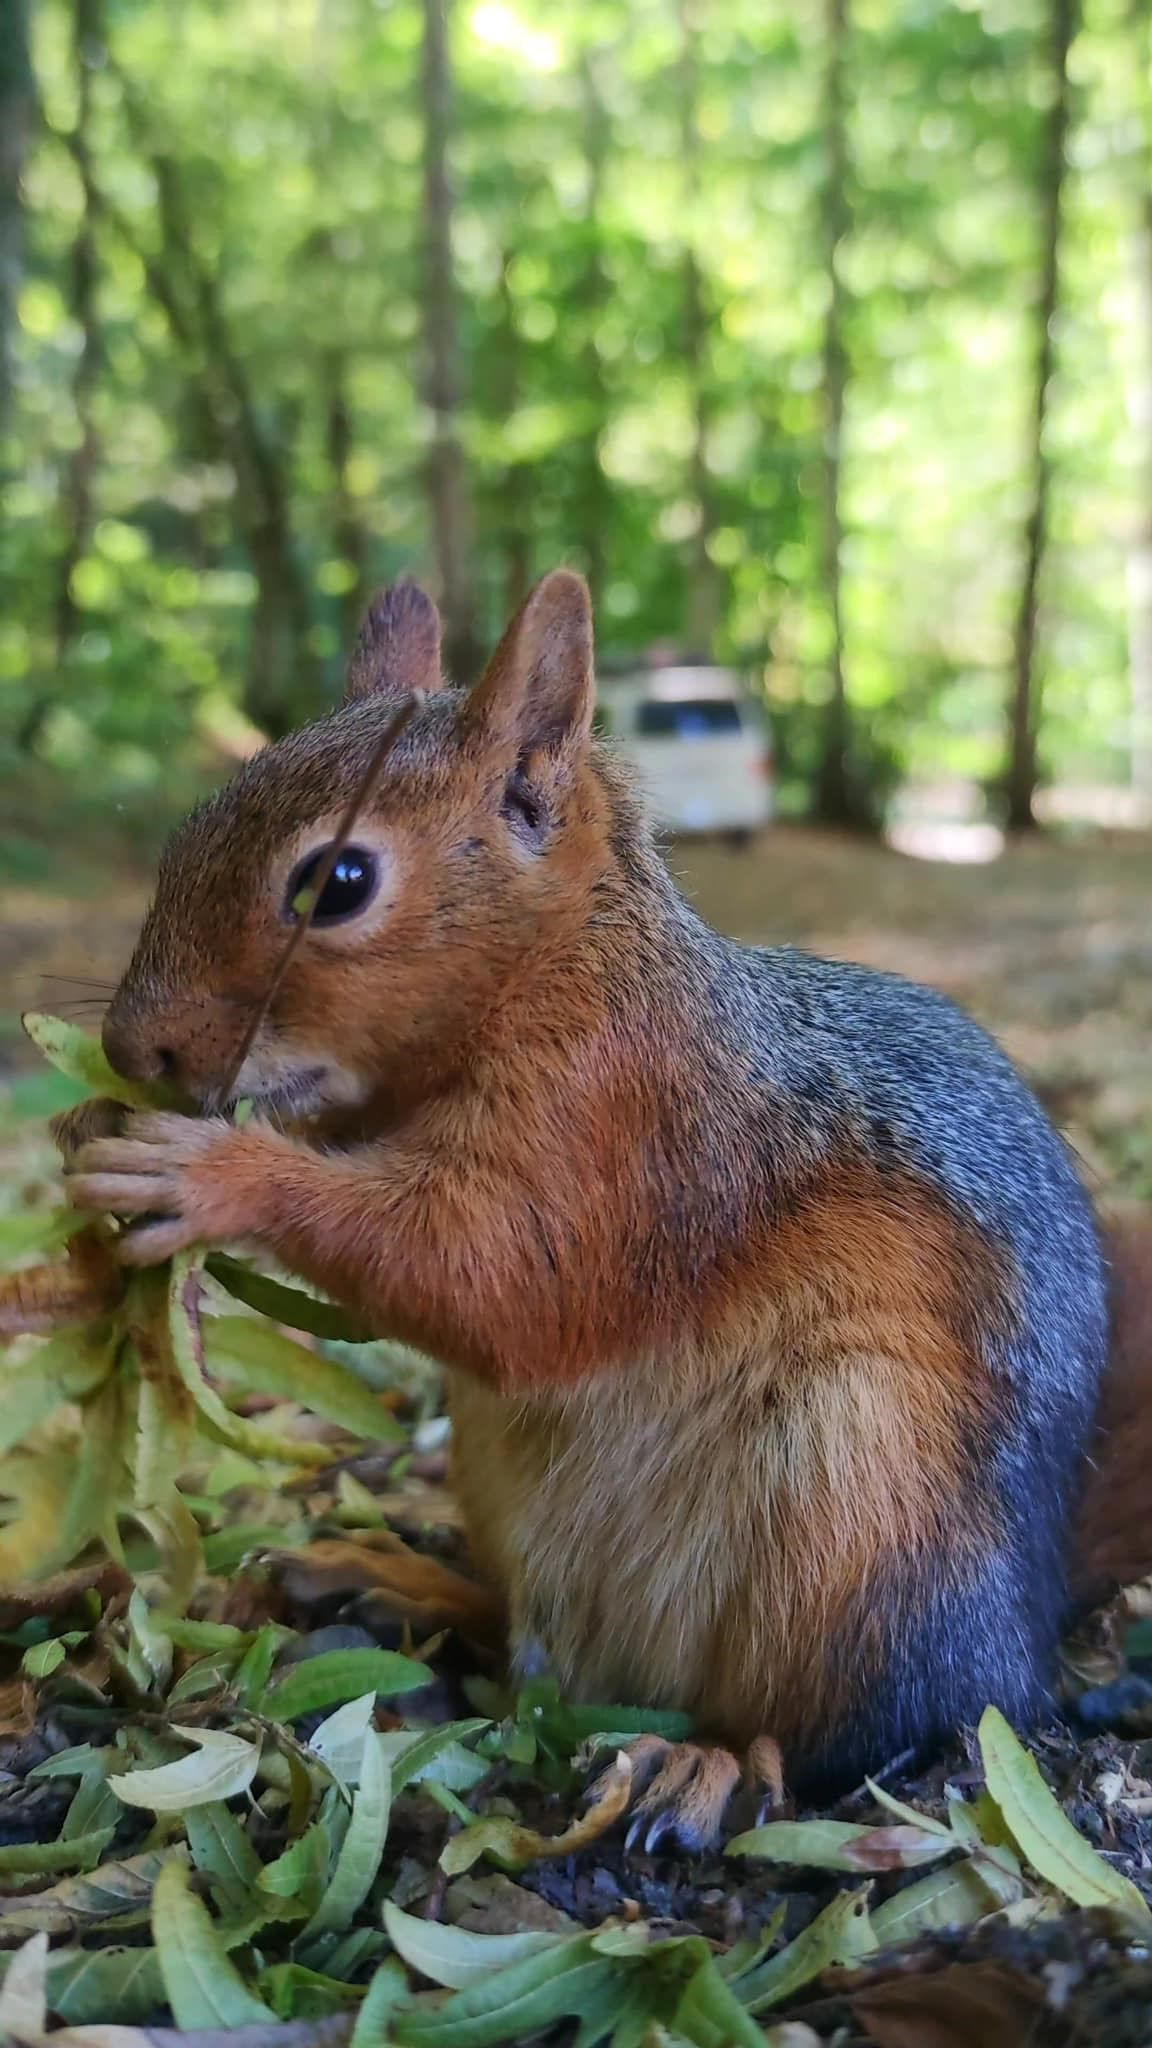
(98, 1117)
(684, 1788)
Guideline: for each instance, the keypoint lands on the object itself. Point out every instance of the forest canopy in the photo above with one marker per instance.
(820, 338)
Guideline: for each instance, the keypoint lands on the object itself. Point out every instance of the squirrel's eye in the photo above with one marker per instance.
(349, 888)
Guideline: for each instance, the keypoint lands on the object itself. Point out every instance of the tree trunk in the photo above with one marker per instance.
(1140, 548)
(283, 676)
(1023, 721)
(593, 501)
(514, 519)
(80, 472)
(348, 536)
(703, 606)
(839, 797)
(447, 481)
(1140, 421)
(17, 109)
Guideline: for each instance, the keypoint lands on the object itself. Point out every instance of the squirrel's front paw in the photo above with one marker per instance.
(178, 1181)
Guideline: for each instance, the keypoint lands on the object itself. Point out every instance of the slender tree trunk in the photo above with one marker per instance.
(703, 582)
(593, 501)
(1140, 548)
(17, 108)
(1024, 707)
(283, 676)
(515, 519)
(80, 473)
(447, 480)
(1140, 420)
(348, 535)
(839, 800)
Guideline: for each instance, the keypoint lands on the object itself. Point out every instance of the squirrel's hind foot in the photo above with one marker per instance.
(682, 1790)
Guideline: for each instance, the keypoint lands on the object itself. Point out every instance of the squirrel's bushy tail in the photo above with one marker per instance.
(1113, 1540)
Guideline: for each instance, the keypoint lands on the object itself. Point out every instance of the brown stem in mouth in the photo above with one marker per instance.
(387, 740)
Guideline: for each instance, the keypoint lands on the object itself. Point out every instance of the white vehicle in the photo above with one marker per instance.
(699, 744)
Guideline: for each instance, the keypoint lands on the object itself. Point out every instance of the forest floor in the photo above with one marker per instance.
(1052, 947)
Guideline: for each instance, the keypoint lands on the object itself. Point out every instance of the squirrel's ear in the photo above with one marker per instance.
(398, 648)
(539, 688)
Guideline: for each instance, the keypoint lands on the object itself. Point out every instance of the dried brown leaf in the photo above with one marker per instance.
(966, 2005)
(493, 1904)
(410, 1587)
(509, 1842)
(63, 1592)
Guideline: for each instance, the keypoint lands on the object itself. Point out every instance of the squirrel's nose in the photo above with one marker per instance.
(138, 1048)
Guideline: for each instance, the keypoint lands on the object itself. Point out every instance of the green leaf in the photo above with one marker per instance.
(31, 1544)
(207, 1675)
(207, 1635)
(113, 1892)
(841, 1934)
(70, 1763)
(255, 1667)
(150, 1645)
(176, 1534)
(31, 1859)
(100, 1483)
(385, 1994)
(203, 1987)
(362, 1849)
(296, 1992)
(165, 1429)
(38, 1230)
(64, 1368)
(221, 1766)
(1042, 1831)
(220, 1848)
(72, 1052)
(123, 1985)
(435, 1753)
(94, 1804)
(255, 1359)
(454, 1957)
(510, 1844)
(226, 1549)
(301, 1872)
(842, 1845)
(564, 1727)
(339, 1741)
(186, 1332)
(956, 1897)
(752, 1949)
(340, 1675)
(44, 1658)
(709, 2013)
(288, 1305)
(346, 1957)
(522, 1999)
(910, 1814)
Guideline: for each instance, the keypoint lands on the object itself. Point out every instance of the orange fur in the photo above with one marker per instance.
(794, 1452)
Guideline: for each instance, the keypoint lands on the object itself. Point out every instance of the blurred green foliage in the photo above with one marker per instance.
(217, 441)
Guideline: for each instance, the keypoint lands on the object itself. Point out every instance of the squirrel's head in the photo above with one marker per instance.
(479, 845)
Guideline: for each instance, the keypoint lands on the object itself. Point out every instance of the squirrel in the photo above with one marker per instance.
(774, 1311)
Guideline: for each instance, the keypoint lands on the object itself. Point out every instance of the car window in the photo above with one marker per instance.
(687, 718)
